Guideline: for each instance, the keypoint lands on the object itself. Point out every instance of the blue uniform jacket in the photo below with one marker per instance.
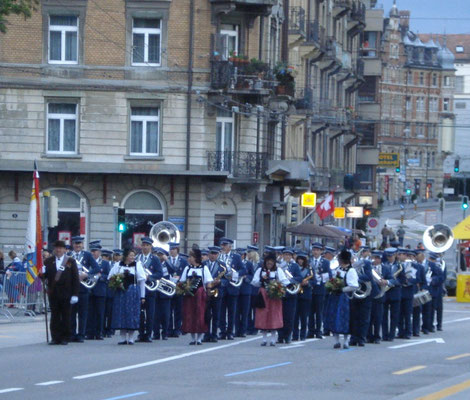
(394, 294)
(235, 262)
(215, 271)
(101, 286)
(307, 290)
(179, 266)
(156, 271)
(438, 278)
(366, 276)
(86, 259)
(245, 289)
(386, 274)
(324, 268)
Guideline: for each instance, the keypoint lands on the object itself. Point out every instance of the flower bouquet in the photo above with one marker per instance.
(335, 285)
(275, 290)
(116, 282)
(184, 288)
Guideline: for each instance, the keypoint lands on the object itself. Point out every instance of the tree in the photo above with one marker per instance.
(18, 7)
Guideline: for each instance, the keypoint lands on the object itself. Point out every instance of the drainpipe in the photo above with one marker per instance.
(188, 121)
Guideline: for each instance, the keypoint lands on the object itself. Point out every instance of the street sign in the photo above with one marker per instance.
(178, 222)
(372, 223)
(308, 199)
(339, 213)
(366, 200)
(354, 212)
(389, 159)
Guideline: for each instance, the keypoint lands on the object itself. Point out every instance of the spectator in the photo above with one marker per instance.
(391, 236)
(401, 235)
(463, 261)
(385, 232)
(2, 264)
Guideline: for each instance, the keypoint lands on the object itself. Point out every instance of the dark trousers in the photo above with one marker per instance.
(316, 314)
(96, 309)
(360, 319)
(288, 314)
(301, 318)
(251, 317)
(80, 310)
(108, 315)
(214, 305)
(145, 331)
(376, 317)
(243, 309)
(416, 320)
(227, 314)
(176, 315)
(437, 308)
(426, 315)
(406, 309)
(60, 318)
(162, 316)
(390, 319)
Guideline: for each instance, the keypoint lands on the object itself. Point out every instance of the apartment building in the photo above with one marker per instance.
(165, 108)
(416, 110)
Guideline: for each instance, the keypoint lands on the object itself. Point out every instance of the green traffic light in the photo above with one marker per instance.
(121, 227)
(408, 191)
(465, 206)
(397, 169)
(456, 169)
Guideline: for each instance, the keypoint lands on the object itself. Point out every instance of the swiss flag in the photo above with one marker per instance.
(326, 207)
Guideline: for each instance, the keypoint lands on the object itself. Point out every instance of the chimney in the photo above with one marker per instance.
(405, 19)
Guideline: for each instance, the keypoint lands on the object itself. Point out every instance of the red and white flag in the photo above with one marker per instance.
(326, 207)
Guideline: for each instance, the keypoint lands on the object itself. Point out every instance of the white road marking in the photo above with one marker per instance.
(458, 311)
(48, 383)
(456, 320)
(10, 390)
(298, 344)
(258, 383)
(164, 360)
(416, 342)
(291, 347)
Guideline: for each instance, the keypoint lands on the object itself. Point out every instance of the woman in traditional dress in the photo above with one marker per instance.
(194, 307)
(126, 303)
(337, 315)
(268, 318)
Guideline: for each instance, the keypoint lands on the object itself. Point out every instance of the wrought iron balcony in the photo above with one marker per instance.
(358, 12)
(297, 20)
(240, 164)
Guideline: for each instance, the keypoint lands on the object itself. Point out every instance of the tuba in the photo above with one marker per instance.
(438, 238)
(164, 232)
(88, 282)
(292, 288)
(364, 287)
(162, 285)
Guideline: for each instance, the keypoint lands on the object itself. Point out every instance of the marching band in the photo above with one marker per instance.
(220, 293)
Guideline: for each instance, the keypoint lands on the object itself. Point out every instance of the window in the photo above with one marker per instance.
(393, 51)
(61, 128)
(408, 103)
(459, 49)
(410, 78)
(434, 79)
(460, 104)
(224, 139)
(421, 78)
(446, 104)
(63, 39)
(230, 43)
(369, 44)
(366, 175)
(407, 130)
(146, 41)
(420, 104)
(447, 81)
(459, 84)
(386, 129)
(145, 130)
(419, 129)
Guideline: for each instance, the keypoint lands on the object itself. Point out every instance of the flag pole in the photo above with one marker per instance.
(45, 310)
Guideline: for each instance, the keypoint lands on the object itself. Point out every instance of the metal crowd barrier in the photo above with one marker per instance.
(17, 298)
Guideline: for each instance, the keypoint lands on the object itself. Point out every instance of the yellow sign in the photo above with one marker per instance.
(340, 212)
(389, 159)
(308, 200)
(463, 288)
(462, 230)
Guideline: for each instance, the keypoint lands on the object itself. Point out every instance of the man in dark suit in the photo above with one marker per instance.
(61, 275)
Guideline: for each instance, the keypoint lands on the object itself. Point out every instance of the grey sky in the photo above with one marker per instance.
(429, 16)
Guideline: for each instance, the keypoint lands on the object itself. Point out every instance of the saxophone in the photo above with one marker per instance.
(305, 280)
(215, 292)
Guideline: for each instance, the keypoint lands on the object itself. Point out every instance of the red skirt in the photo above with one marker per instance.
(270, 317)
(194, 309)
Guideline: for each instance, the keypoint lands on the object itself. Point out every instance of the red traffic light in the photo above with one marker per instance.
(367, 212)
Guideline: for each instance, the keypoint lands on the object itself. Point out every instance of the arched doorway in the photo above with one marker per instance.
(143, 209)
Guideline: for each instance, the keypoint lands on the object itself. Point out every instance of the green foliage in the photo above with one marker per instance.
(17, 7)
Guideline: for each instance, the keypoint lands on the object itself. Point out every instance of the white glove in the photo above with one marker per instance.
(74, 300)
(234, 276)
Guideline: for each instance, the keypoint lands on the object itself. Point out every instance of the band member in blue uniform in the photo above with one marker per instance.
(420, 284)
(176, 263)
(153, 269)
(253, 257)
(80, 310)
(438, 278)
(304, 297)
(244, 300)
(361, 308)
(215, 294)
(393, 296)
(235, 271)
(407, 292)
(329, 254)
(107, 255)
(322, 271)
(378, 297)
(163, 301)
(289, 302)
(97, 301)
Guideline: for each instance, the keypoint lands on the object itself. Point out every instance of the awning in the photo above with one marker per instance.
(315, 230)
(462, 230)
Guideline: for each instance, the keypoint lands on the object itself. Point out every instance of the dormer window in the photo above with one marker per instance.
(459, 49)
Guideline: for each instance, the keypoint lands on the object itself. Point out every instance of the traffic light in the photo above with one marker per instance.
(367, 212)
(456, 165)
(293, 212)
(464, 202)
(121, 220)
(408, 192)
(397, 169)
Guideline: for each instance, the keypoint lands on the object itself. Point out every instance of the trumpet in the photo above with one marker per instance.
(88, 282)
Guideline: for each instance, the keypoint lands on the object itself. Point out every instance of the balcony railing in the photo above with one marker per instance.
(297, 20)
(320, 179)
(366, 97)
(358, 12)
(240, 164)
(336, 178)
(360, 68)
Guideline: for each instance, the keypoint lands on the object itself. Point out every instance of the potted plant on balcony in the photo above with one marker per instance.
(285, 76)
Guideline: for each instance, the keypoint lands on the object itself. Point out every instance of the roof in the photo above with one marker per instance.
(452, 41)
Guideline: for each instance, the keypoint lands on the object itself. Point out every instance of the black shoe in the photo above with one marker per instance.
(416, 334)
(280, 341)
(64, 343)
(302, 339)
(222, 337)
(345, 346)
(79, 340)
(155, 337)
(130, 343)
(264, 344)
(89, 337)
(272, 344)
(361, 344)
(377, 341)
(99, 337)
(206, 340)
(108, 335)
(352, 343)
(229, 337)
(425, 332)
(432, 330)
(310, 335)
(53, 342)
(295, 339)
(199, 343)
(192, 343)
(123, 342)
(318, 336)
(164, 338)
(242, 335)
(439, 328)
(213, 340)
(406, 337)
(288, 341)
(337, 346)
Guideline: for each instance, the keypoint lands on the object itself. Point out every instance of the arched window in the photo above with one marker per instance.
(143, 210)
